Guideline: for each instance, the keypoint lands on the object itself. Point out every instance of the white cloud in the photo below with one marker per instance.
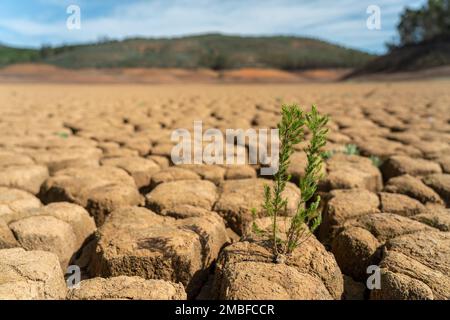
(337, 21)
(30, 28)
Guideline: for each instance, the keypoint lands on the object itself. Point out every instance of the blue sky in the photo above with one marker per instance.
(28, 23)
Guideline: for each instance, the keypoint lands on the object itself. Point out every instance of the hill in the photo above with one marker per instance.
(212, 51)
(10, 55)
(426, 55)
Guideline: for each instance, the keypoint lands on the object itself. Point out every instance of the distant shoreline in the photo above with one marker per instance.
(37, 73)
(42, 73)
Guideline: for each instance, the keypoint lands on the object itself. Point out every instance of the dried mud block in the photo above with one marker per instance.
(384, 148)
(359, 241)
(353, 290)
(236, 172)
(140, 169)
(400, 204)
(213, 173)
(438, 218)
(15, 204)
(46, 233)
(342, 205)
(238, 198)
(441, 184)
(57, 159)
(137, 242)
(196, 193)
(99, 190)
(351, 172)
(414, 188)
(7, 239)
(173, 174)
(127, 288)
(400, 165)
(30, 275)
(245, 270)
(24, 177)
(416, 266)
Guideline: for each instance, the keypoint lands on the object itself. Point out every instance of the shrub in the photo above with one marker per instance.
(328, 154)
(376, 161)
(351, 149)
(307, 215)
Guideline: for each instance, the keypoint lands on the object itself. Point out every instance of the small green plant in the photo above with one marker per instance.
(328, 154)
(307, 215)
(63, 135)
(351, 149)
(376, 161)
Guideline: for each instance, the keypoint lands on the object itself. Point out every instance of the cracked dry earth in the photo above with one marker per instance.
(86, 179)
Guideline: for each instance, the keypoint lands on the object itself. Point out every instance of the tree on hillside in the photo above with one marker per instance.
(426, 23)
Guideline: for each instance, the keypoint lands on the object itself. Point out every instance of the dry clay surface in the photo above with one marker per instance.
(86, 179)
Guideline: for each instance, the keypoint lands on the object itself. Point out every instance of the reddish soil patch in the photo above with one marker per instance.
(52, 74)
